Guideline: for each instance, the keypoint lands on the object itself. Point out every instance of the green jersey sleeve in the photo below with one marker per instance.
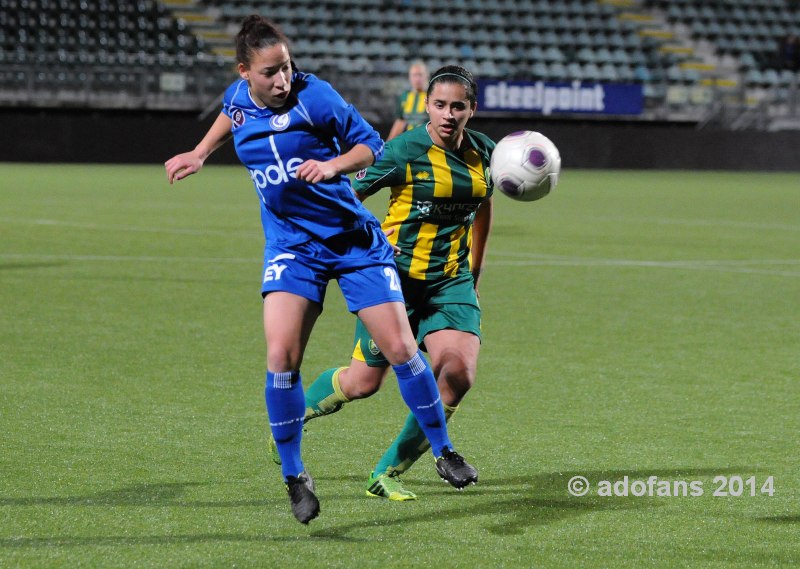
(387, 172)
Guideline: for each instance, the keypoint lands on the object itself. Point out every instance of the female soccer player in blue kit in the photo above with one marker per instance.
(287, 128)
(443, 169)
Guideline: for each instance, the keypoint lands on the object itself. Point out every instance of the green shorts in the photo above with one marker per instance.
(446, 304)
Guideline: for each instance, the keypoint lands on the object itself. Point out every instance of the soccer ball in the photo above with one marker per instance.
(525, 165)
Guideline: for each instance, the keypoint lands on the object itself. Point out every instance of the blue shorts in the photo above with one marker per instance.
(361, 260)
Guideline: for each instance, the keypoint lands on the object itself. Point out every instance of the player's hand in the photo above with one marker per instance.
(395, 248)
(476, 275)
(182, 165)
(313, 171)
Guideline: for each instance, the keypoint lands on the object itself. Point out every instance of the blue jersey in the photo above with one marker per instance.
(272, 143)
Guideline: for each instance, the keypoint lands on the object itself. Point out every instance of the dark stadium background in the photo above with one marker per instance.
(137, 81)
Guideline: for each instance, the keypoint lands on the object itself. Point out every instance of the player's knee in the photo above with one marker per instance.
(361, 382)
(364, 390)
(458, 374)
(399, 350)
(286, 358)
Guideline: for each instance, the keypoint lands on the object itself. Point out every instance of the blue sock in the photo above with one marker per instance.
(419, 391)
(286, 407)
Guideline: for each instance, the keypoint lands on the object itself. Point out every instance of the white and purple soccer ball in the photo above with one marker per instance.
(525, 165)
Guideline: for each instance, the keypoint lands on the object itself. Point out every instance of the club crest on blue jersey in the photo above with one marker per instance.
(280, 122)
(237, 117)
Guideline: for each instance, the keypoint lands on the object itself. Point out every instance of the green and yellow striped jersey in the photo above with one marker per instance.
(435, 193)
(411, 108)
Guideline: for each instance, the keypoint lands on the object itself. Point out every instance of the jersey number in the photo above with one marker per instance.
(394, 280)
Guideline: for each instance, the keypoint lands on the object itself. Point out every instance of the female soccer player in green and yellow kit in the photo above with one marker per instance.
(440, 215)
(410, 112)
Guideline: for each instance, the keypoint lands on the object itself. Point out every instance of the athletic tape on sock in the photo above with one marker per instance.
(283, 380)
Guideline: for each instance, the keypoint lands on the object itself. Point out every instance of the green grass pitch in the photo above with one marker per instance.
(641, 324)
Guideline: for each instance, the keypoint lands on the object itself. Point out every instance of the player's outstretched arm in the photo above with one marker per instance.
(481, 228)
(313, 171)
(187, 163)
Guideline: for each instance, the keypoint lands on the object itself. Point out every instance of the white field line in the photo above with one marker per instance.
(746, 266)
(702, 223)
(190, 231)
(130, 228)
(126, 258)
(601, 261)
(496, 258)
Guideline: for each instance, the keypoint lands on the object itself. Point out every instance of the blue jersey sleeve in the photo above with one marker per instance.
(342, 118)
(236, 89)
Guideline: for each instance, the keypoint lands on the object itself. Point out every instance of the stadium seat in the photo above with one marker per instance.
(483, 52)
(603, 55)
(747, 61)
(625, 73)
(487, 69)
(466, 51)
(554, 55)
(502, 53)
(591, 72)
(538, 69)
(529, 40)
(608, 72)
(787, 78)
(771, 78)
(557, 71)
(642, 74)
(583, 39)
(754, 77)
(575, 71)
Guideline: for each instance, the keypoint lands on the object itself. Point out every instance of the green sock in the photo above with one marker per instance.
(324, 396)
(409, 445)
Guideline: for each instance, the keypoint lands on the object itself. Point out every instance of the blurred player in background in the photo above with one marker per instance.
(287, 128)
(410, 112)
(440, 216)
